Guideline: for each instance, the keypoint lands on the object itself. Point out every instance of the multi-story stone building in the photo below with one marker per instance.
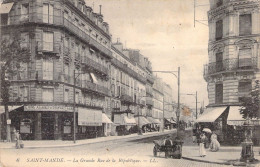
(168, 101)
(67, 40)
(233, 48)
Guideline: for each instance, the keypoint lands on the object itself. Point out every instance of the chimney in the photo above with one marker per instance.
(100, 6)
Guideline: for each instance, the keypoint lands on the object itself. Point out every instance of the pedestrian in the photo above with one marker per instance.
(17, 140)
(194, 133)
(168, 144)
(214, 144)
(202, 141)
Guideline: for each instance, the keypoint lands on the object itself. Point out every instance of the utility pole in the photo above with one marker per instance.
(178, 113)
(74, 108)
(196, 105)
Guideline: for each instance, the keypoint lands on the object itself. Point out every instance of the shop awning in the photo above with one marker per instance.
(10, 108)
(211, 114)
(89, 117)
(234, 116)
(5, 8)
(105, 119)
(171, 121)
(152, 120)
(129, 121)
(142, 121)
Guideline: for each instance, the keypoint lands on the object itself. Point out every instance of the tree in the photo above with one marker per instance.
(250, 105)
(12, 54)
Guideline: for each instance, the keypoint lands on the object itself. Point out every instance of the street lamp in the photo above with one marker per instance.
(196, 97)
(178, 77)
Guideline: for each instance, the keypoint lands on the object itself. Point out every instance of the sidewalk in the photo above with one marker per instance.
(226, 155)
(62, 143)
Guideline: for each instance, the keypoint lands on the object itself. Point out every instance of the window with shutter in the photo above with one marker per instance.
(245, 24)
(219, 61)
(25, 12)
(48, 39)
(244, 56)
(66, 95)
(244, 88)
(47, 69)
(48, 13)
(219, 29)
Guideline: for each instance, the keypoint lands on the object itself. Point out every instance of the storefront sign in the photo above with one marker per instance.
(48, 108)
(89, 117)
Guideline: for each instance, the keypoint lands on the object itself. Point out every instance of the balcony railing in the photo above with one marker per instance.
(95, 65)
(90, 86)
(230, 65)
(58, 21)
(150, 79)
(37, 75)
(128, 70)
(126, 98)
(77, 57)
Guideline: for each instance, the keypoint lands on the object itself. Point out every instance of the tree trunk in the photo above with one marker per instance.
(8, 130)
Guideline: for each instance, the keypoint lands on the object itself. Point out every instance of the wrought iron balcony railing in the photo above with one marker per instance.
(90, 86)
(126, 98)
(58, 20)
(230, 65)
(95, 65)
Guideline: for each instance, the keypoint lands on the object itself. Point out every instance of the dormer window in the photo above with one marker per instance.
(219, 3)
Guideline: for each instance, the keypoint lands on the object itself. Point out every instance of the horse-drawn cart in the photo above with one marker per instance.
(172, 149)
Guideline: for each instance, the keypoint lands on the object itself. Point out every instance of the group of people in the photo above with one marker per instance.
(205, 140)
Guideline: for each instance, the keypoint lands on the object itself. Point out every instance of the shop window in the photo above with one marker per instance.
(48, 41)
(245, 24)
(47, 94)
(244, 88)
(47, 69)
(67, 127)
(26, 126)
(48, 13)
(219, 93)
(244, 56)
(219, 29)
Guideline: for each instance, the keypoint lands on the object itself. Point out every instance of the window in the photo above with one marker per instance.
(23, 71)
(245, 24)
(244, 88)
(47, 13)
(219, 93)
(25, 12)
(47, 95)
(77, 97)
(48, 41)
(219, 3)
(66, 14)
(219, 29)
(24, 40)
(66, 95)
(47, 69)
(244, 56)
(4, 19)
(24, 93)
(219, 61)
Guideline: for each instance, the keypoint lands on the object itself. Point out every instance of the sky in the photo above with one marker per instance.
(163, 31)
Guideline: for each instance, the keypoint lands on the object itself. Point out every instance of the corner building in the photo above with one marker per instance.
(233, 53)
(66, 38)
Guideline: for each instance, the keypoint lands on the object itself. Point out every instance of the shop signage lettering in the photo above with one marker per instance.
(47, 108)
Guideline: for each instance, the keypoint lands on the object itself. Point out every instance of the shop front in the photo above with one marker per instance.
(125, 124)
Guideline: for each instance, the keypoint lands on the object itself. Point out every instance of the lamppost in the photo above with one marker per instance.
(196, 97)
(178, 78)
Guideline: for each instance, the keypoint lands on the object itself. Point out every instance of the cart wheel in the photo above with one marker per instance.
(154, 151)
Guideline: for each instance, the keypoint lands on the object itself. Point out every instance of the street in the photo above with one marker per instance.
(125, 152)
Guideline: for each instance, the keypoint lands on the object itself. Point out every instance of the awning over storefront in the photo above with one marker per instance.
(120, 119)
(5, 8)
(154, 121)
(89, 117)
(10, 108)
(234, 116)
(105, 119)
(142, 121)
(211, 114)
(171, 121)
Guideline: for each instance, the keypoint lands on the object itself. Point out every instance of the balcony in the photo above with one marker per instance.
(149, 101)
(230, 65)
(128, 70)
(48, 47)
(126, 98)
(77, 58)
(95, 65)
(150, 79)
(90, 86)
(57, 20)
(37, 75)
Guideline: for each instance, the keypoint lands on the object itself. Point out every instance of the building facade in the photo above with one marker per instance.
(233, 53)
(67, 40)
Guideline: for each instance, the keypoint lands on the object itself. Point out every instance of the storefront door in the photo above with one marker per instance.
(48, 127)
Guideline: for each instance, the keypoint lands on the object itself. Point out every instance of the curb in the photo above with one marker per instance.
(80, 144)
(205, 161)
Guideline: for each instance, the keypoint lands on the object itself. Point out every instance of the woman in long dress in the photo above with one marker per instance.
(214, 145)
(202, 150)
